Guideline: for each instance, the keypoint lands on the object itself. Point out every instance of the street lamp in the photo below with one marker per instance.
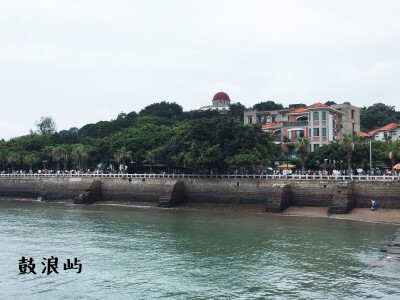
(370, 154)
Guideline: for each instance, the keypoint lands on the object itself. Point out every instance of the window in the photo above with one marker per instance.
(316, 147)
(258, 119)
(250, 120)
(323, 131)
(352, 113)
(324, 116)
(299, 133)
(309, 132)
(316, 131)
(316, 116)
(273, 118)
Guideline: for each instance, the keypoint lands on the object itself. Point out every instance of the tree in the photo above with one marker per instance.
(303, 147)
(268, 105)
(31, 159)
(79, 151)
(333, 152)
(12, 158)
(122, 155)
(3, 153)
(329, 103)
(163, 110)
(59, 153)
(393, 152)
(236, 110)
(377, 115)
(349, 143)
(46, 125)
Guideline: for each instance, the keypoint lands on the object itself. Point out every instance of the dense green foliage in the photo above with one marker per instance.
(236, 110)
(161, 134)
(378, 115)
(268, 105)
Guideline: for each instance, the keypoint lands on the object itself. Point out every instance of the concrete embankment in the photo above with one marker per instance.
(276, 195)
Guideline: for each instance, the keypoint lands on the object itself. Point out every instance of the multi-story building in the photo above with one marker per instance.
(350, 119)
(270, 116)
(390, 132)
(320, 123)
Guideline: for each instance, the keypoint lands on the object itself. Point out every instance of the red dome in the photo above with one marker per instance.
(221, 96)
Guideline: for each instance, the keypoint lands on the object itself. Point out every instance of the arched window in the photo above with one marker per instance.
(316, 116)
(324, 116)
(302, 118)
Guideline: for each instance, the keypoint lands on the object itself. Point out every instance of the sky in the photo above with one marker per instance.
(83, 61)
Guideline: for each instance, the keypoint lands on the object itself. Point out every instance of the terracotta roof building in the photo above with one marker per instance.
(320, 123)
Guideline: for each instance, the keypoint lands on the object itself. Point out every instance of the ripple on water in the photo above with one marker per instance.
(150, 254)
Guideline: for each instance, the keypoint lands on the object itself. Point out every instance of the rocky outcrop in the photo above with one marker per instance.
(391, 259)
(91, 195)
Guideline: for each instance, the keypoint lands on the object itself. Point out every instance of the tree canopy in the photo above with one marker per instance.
(267, 105)
(377, 115)
(46, 125)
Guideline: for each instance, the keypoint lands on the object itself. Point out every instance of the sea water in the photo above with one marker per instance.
(152, 253)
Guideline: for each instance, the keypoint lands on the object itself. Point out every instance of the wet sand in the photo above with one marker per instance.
(391, 216)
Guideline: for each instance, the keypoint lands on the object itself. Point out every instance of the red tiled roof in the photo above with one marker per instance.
(319, 104)
(304, 109)
(384, 128)
(299, 110)
(275, 124)
(363, 134)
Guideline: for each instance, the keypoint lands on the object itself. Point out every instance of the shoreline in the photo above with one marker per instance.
(384, 216)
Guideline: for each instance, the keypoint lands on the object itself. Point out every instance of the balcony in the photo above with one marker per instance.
(295, 124)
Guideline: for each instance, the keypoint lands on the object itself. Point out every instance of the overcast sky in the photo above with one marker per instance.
(84, 61)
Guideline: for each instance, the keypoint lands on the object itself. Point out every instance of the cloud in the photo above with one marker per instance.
(86, 61)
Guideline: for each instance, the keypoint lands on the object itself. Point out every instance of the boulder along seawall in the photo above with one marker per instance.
(275, 194)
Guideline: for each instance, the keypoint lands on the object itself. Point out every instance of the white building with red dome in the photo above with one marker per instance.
(220, 102)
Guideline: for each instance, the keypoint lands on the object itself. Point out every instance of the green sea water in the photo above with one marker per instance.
(152, 253)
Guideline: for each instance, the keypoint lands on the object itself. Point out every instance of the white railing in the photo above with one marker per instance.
(238, 176)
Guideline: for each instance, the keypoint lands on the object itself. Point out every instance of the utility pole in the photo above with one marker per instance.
(370, 154)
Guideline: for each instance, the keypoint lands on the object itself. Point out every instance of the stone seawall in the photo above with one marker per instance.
(276, 195)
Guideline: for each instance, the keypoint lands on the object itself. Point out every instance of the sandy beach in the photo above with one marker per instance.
(391, 216)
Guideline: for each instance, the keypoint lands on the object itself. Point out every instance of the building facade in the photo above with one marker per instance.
(390, 132)
(320, 123)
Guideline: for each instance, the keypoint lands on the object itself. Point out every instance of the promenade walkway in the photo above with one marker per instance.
(238, 176)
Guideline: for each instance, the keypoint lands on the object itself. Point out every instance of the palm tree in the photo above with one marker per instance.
(59, 153)
(13, 157)
(303, 147)
(80, 152)
(349, 143)
(122, 155)
(393, 152)
(30, 159)
(3, 155)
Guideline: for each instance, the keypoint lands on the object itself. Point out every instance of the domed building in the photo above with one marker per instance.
(220, 102)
